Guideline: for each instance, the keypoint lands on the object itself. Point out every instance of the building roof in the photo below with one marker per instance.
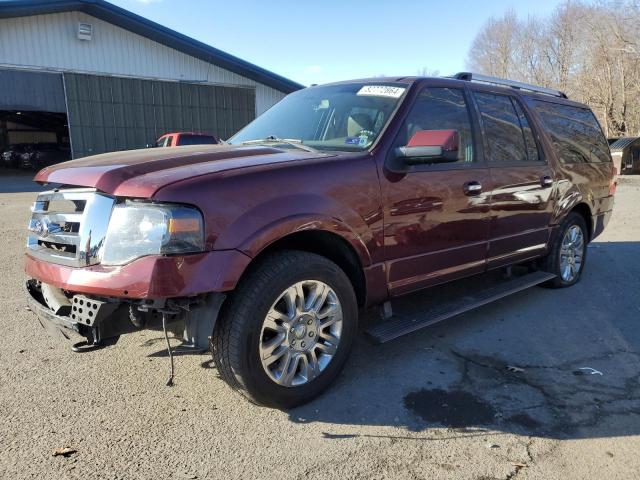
(622, 143)
(154, 31)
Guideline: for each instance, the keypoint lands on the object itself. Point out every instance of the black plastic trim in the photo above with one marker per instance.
(418, 319)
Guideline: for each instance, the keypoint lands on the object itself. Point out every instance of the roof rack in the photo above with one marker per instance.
(476, 77)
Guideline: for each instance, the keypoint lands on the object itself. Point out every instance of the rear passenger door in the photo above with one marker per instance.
(522, 182)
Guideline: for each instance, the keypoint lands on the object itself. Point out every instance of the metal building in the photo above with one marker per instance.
(625, 152)
(101, 78)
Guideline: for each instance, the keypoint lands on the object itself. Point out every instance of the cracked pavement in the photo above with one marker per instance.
(511, 390)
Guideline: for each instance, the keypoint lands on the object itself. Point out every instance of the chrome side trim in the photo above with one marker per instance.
(524, 232)
(427, 276)
(520, 251)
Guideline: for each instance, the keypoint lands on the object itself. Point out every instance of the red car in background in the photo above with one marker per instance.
(186, 138)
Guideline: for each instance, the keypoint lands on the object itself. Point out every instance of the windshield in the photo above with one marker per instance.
(346, 117)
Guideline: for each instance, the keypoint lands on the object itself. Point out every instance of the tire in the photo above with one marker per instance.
(553, 262)
(242, 337)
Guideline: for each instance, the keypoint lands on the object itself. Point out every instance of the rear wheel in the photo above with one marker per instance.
(568, 252)
(287, 329)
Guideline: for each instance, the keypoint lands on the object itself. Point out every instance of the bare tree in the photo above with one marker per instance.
(530, 62)
(589, 50)
(493, 48)
(561, 45)
(427, 72)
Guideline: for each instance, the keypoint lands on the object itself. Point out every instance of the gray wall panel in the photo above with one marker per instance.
(32, 91)
(49, 41)
(113, 113)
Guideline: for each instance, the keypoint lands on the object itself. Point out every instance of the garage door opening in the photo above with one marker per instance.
(31, 140)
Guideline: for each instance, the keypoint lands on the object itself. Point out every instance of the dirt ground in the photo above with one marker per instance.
(440, 403)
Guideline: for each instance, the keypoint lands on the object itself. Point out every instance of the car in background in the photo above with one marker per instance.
(38, 156)
(186, 138)
(11, 156)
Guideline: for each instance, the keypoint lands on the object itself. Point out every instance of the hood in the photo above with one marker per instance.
(141, 173)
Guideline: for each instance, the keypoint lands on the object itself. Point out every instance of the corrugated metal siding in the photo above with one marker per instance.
(50, 41)
(622, 143)
(266, 98)
(34, 91)
(115, 113)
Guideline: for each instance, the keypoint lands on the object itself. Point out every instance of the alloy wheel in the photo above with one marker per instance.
(301, 333)
(571, 253)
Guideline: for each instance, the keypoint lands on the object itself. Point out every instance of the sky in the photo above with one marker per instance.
(331, 40)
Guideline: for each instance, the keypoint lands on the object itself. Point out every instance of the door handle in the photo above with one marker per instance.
(472, 188)
(546, 181)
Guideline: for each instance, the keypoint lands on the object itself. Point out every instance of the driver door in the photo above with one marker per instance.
(436, 215)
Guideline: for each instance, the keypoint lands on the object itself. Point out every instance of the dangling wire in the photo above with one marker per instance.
(166, 337)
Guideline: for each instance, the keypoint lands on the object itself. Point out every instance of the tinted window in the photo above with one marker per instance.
(440, 109)
(504, 136)
(575, 133)
(162, 142)
(529, 140)
(196, 140)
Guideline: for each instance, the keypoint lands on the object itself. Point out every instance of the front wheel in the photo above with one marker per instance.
(287, 330)
(568, 252)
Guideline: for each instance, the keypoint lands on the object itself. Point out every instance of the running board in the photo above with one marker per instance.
(397, 326)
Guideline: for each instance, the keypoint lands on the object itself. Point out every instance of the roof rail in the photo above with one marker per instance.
(476, 77)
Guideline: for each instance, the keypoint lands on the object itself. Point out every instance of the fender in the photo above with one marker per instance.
(247, 210)
(280, 229)
(374, 273)
(568, 198)
(567, 201)
(270, 220)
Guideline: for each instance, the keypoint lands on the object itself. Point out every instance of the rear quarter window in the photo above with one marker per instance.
(574, 131)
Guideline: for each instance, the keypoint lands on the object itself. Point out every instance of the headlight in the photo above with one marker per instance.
(139, 229)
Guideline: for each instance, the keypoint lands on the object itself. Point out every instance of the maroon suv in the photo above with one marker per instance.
(340, 197)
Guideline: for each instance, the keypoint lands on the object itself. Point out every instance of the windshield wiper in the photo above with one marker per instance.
(294, 142)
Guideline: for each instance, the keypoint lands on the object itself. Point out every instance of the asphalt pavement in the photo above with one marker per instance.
(544, 384)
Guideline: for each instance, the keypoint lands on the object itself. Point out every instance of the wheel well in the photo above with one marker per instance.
(330, 246)
(584, 210)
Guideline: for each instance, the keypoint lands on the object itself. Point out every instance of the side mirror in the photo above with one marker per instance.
(430, 146)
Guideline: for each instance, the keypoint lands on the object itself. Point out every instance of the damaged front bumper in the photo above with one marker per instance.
(65, 315)
(57, 326)
(94, 319)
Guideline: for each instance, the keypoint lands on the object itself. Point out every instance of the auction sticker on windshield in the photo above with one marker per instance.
(381, 91)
